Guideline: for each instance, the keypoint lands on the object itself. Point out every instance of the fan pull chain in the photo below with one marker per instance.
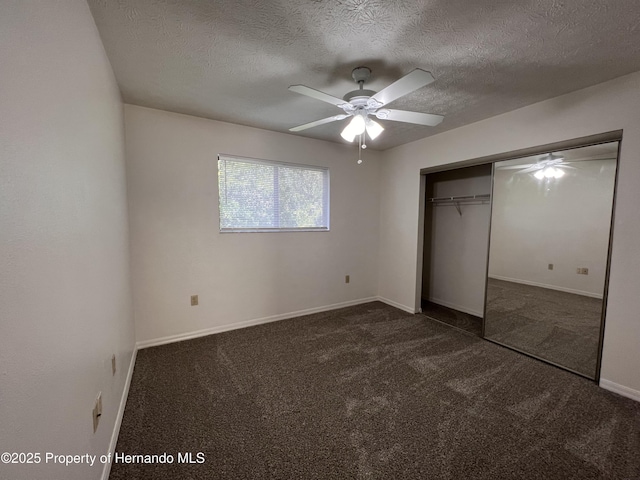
(359, 149)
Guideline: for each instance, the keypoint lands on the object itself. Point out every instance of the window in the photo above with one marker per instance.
(266, 196)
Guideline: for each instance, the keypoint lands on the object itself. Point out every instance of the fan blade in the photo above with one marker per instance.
(318, 122)
(551, 163)
(539, 166)
(531, 169)
(317, 94)
(514, 167)
(407, 84)
(410, 117)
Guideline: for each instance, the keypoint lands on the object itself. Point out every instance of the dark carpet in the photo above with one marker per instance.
(455, 318)
(561, 327)
(369, 392)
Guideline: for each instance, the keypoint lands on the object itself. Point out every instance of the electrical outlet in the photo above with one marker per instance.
(582, 271)
(550, 267)
(347, 279)
(97, 412)
(113, 364)
(194, 300)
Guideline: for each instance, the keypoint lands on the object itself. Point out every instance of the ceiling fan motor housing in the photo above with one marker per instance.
(358, 97)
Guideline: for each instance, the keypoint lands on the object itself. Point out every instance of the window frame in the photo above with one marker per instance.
(259, 161)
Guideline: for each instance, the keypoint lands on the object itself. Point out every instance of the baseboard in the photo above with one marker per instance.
(620, 389)
(106, 470)
(396, 305)
(550, 287)
(460, 308)
(248, 323)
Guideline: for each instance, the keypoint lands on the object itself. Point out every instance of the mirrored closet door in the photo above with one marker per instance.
(548, 254)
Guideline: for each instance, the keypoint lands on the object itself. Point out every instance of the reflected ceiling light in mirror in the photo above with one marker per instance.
(545, 167)
(548, 172)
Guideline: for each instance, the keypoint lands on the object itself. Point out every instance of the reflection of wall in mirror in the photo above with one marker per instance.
(564, 222)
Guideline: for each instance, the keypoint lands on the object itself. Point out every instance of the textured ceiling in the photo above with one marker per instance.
(233, 60)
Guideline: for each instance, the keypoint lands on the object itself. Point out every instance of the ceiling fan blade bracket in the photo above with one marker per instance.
(348, 108)
(374, 104)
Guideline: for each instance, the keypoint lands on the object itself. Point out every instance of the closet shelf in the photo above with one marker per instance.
(456, 201)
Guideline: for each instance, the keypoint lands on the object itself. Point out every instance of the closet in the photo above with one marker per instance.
(457, 214)
(516, 249)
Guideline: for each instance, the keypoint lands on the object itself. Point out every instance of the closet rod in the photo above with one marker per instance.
(455, 201)
(462, 198)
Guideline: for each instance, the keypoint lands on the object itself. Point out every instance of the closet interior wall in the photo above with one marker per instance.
(456, 239)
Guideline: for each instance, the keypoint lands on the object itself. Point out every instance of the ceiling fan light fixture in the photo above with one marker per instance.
(355, 127)
(348, 134)
(357, 124)
(374, 129)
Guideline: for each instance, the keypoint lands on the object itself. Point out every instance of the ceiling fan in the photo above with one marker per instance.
(361, 103)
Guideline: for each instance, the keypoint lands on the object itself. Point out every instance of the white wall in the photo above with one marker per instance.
(64, 258)
(177, 249)
(456, 245)
(609, 106)
(564, 222)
